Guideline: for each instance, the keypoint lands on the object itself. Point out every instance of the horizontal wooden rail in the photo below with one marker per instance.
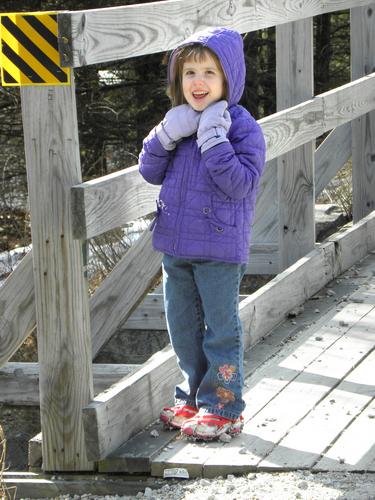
(109, 34)
(116, 199)
(288, 129)
(110, 201)
(131, 404)
(19, 382)
(112, 417)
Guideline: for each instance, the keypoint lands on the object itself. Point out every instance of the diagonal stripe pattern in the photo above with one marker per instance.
(29, 50)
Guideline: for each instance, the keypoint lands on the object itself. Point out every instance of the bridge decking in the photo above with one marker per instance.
(309, 394)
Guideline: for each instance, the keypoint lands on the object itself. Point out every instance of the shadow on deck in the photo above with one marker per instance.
(309, 394)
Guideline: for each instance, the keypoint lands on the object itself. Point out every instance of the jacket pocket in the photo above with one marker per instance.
(224, 211)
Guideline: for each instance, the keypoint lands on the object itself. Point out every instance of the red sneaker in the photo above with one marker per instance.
(175, 416)
(208, 426)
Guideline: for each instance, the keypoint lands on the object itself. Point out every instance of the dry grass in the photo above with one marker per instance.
(5, 493)
(339, 190)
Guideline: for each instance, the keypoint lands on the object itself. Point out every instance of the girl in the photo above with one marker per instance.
(208, 154)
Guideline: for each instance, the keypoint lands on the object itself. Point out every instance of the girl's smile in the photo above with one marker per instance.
(202, 82)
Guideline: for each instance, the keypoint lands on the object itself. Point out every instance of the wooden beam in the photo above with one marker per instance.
(36, 485)
(101, 35)
(111, 304)
(303, 279)
(19, 382)
(286, 130)
(17, 308)
(112, 417)
(123, 289)
(64, 343)
(264, 254)
(363, 62)
(131, 404)
(111, 201)
(295, 172)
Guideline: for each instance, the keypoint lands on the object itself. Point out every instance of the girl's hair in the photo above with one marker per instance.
(182, 54)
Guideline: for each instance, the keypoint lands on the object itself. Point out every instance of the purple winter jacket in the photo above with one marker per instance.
(206, 203)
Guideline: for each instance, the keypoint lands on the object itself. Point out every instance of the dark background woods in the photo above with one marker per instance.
(119, 103)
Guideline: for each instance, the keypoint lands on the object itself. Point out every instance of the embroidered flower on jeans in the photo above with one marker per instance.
(225, 395)
(227, 373)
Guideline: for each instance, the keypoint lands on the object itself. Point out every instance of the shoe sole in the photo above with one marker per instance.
(205, 437)
(169, 424)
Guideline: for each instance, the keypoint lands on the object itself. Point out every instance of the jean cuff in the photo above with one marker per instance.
(187, 402)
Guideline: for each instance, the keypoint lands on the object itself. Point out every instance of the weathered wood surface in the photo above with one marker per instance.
(137, 454)
(105, 423)
(36, 485)
(19, 382)
(100, 35)
(123, 289)
(110, 201)
(17, 308)
(64, 342)
(306, 402)
(295, 172)
(131, 404)
(300, 124)
(264, 253)
(302, 280)
(343, 404)
(100, 202)
(110, 306)
(362, 27)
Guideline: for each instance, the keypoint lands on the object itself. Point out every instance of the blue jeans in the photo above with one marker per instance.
(201, 306)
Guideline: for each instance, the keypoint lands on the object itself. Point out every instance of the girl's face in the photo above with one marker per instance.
(202, 82)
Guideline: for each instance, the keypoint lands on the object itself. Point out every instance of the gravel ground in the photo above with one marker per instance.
(259, 486)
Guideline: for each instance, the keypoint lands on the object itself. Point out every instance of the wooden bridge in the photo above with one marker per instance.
(294, 382)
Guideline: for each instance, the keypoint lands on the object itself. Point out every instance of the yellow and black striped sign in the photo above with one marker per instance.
(29, 50)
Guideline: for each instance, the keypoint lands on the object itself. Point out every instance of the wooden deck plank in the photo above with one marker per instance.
(303, 445)
(271, 424)
(19, 382)
(136, 454)
(354, 450)
(264, 387)
(184, 454)
(278, 359)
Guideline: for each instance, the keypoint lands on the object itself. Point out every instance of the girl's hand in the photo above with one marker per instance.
(213, 125)
(181, 121)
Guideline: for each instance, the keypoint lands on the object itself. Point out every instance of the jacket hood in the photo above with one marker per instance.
(228, 46)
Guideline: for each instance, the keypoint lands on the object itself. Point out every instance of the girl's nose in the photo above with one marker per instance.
(199, 78)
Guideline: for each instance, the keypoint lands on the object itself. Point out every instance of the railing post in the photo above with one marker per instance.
(362, 28)
(294, 81)
(64, 341)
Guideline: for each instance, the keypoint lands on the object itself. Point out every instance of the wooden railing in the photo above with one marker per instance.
(64, 212)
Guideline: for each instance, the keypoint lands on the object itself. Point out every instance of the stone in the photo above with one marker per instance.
(303, 485)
